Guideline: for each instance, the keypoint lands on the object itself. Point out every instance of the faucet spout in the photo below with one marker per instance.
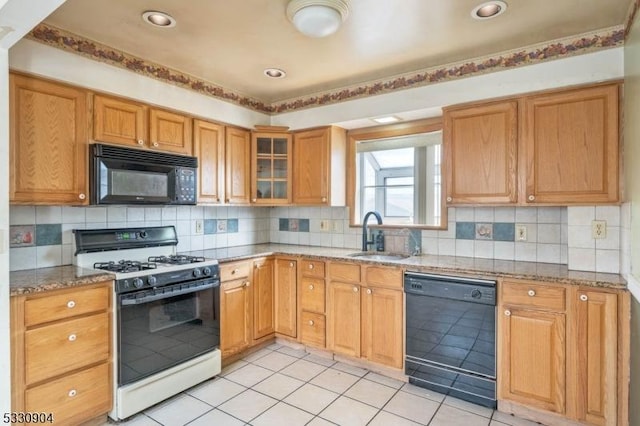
(365, 238)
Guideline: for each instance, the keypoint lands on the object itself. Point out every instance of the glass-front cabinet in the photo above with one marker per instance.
(271, 182)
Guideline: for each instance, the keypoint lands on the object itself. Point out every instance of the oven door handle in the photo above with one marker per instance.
(164, 295)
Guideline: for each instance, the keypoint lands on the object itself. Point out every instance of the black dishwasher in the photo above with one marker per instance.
(451, 336)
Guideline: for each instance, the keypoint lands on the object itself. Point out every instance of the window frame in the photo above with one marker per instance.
(388, 131)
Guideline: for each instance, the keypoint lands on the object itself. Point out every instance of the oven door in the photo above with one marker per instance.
(164, 327)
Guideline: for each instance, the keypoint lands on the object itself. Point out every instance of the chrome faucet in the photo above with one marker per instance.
(365, 240)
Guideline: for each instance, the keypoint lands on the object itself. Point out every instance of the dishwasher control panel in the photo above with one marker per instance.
(450, 287)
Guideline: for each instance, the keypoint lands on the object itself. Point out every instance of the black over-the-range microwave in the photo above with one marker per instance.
(133, 176)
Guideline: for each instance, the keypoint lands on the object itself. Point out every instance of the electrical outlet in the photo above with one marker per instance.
(199, 227)
(599, 229)
(324, 225)
(521, 232)
(336, 225)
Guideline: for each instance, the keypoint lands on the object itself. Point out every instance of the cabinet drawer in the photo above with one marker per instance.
(83, 395)
(312, 295)
(312, 329)
(66, 305)
(347, 272)
(383, 276)
(66, 346)
(313, 268)
(233, 271)
(533, 295)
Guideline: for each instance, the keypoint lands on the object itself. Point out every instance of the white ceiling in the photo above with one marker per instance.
(230, 43)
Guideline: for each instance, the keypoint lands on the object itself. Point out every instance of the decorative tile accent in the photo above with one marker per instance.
(293, 225)
(465, 230)
(232, 225)
(484, 231)
(210, 226)
(221, 225)
(560, 48)
(22, 236)
(504, 232)
(48, 234)
(303, 225)
(283, 224)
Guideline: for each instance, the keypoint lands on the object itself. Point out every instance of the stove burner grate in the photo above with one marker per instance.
(176, 259)
(124, 266)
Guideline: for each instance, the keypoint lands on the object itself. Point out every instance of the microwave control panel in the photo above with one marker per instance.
(185, 186)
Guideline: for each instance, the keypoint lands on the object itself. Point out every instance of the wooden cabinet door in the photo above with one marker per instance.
(121, 122)
(48, 142)
(480, 152)
(170, 132)
(311, 167)
(343, 318)
(382, 326)
(286, 296)
(263, 298)
(532, 358)
(596, 352)
(571, 146)
(237, 166)
(235, 316)
(208, 146)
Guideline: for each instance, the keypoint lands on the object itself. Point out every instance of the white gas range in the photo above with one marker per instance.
(166, 313)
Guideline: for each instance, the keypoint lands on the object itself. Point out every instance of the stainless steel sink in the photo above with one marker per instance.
(372, 255)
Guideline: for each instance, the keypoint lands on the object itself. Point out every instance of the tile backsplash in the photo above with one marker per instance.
(553, 234)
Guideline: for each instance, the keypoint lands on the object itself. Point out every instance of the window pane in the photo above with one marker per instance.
(394, 181)
(399, 201)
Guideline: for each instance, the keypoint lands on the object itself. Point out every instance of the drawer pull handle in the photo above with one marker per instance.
(311, 322)
(71, 304)
(507, 313)
(531, 293)
(369, 291)
(311, 266)
(72, 337)
(584, 297)
(355, 289)
(310, 286)
(72, 393)
(290, 264)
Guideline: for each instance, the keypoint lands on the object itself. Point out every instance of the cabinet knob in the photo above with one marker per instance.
(507, 313)
(71, 304)
(72, 337)
(310, 286)
(311, 266)
(290, 264)
(369, 291)
(217, 200)
(324, 199)
(72, 393)
(449, 199)
(311, 322)
(355, 289)
(226, 201)
(82, 196)
(235, 271)
(140, 142)
(531, 293)
(156, 144)
(531, 197)
(247, 283)
(254, 200)
(584, 297)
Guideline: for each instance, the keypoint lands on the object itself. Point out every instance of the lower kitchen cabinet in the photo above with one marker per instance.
(286, 282)
(343, 334)
(561, 350)
(312, 304)
(382, 319)
(61, 353)
(235, 308)
(263, 298)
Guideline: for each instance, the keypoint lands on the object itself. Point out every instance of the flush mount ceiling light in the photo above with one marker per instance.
(386, 120)
(489, 10)
(274, 73)
(317, 18)
(158, 19)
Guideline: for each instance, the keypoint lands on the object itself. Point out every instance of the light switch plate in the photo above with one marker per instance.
(599, 229)
(521, 232)
(324, 225)
(199, 227)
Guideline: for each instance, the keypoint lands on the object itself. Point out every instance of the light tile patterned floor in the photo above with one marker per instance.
(279, 386)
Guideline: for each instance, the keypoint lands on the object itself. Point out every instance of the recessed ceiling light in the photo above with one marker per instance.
(274, 73)
(386, 120)
(158, 19)
(489, 9)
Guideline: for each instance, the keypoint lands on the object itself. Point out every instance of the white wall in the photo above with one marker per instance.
(5, 366)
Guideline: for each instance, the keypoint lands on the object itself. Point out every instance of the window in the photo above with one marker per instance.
(398, 176)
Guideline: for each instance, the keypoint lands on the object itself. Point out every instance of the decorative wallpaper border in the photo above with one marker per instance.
(556, 49)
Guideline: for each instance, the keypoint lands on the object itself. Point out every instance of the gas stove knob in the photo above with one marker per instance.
(137, 282)
(206, 271)
(142, 234)
(476, 294)
(197, 272)
(152, 280)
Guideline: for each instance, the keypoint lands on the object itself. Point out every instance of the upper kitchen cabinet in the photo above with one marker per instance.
(271, 166)
(319, 166)
(208, 146)
(48, 142)
(130, 123)
(570, 143)
(558, 147)
(481, 153)
(237, 166)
